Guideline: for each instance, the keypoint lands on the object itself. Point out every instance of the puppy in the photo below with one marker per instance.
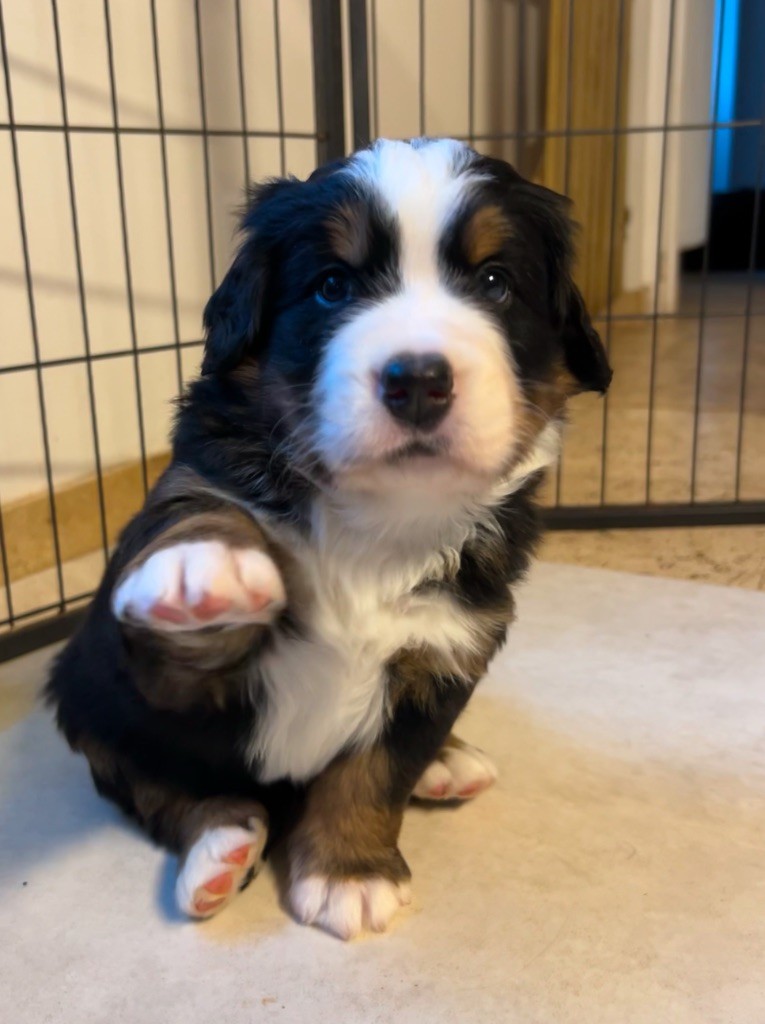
(289, 629)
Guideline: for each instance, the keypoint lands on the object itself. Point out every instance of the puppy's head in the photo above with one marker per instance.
(411, 313)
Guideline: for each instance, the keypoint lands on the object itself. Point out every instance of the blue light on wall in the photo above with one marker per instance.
(726, 50)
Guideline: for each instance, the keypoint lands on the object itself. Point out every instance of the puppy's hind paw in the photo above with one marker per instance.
(459, 772)
(217, 867)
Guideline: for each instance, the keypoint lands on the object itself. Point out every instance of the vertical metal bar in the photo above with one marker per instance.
(612, 234)
(242, 91)
(375, 74)
(34, 331)
(520, 91)
(5, 570)
(657, 265)
(471, 72)
(328, 79)
(421, 66)
(280, 89)
(751, 277)
(357, 12)
(126, 248)
(705, 261)
(166, 193)
(569, 94)
(80, 279)
(206, 144)
(566, 167)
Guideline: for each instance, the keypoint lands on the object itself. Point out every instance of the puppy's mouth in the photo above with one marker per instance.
(417, 463)
(417, 449)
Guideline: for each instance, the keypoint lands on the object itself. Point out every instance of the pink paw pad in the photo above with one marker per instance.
(211, 896)
(220, 885)
(217, 866)
(258, 601)
(205, 907)
(210, 607)
(459, 772)
(239, 856)
(167, 613)
(438, 792)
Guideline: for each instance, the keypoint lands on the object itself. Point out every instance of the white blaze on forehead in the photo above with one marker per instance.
(422, 185)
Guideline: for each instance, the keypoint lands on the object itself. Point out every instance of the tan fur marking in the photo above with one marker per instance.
(348, 828)
(195, 671)
(169, 815)
(348, 230)
(544, 401)
(455, 742)
(413, 671)
(485, 233)
(567, 383)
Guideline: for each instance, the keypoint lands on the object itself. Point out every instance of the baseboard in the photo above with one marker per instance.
(27, 523)
(630, 303)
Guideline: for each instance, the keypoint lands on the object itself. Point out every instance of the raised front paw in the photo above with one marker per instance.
(202, 583)
(347, 906)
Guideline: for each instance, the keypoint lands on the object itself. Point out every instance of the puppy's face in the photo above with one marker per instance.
(412, 308)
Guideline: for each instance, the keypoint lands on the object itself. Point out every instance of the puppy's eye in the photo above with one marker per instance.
(334, 288)
(493, 284)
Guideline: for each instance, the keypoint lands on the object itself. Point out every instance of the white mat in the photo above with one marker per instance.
(616, 873)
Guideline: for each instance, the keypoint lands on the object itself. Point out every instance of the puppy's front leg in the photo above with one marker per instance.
(346, 872)
(193, 603)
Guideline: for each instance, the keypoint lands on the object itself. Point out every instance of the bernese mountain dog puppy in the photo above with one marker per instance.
(289, 629)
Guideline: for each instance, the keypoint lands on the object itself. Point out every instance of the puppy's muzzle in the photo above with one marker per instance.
(417, 390)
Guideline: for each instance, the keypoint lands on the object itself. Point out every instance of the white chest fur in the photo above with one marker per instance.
(326, 690)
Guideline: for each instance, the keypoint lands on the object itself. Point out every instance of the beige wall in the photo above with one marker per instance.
(686, 173)
(48, 217)
(46, 198)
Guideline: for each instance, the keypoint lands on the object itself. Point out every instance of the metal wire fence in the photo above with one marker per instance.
(109, 73)
(128, 130)
(679, 438)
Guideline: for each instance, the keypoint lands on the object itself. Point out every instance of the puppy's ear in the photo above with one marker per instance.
(583, 350)
(232, 316)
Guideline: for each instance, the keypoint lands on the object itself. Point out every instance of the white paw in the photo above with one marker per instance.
(347, 907)
(458, 773)
(216, 866)
(200, 583)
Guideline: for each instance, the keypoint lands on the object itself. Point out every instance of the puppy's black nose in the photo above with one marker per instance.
(417, 389)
